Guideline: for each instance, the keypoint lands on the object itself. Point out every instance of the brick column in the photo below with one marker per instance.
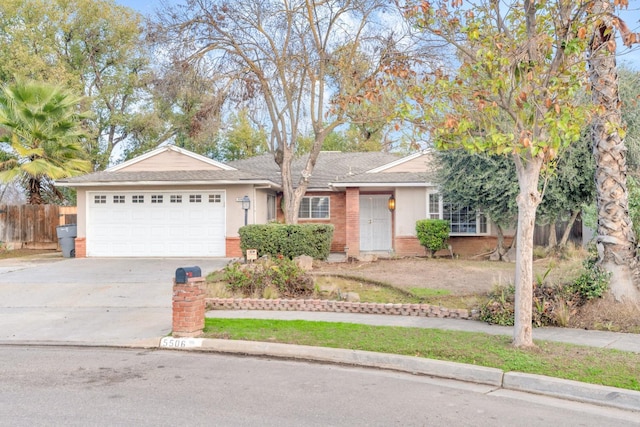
(188, 307)
(353, 221)
(81, 247)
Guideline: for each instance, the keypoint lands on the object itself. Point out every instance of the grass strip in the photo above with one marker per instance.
(586, 364)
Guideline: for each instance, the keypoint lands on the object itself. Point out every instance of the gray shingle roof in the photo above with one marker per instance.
(160, 176)
(386, 177)
(331, 167)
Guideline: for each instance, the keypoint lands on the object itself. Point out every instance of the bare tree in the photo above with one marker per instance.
(302, 59)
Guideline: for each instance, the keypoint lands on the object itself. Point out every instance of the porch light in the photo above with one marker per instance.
(391, 204)
(246, 205)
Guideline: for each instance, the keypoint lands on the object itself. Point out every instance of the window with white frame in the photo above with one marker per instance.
(314, 208)
(271, 207)
(462, 219)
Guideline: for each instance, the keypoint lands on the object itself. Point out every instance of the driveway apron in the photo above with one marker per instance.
(115, 301)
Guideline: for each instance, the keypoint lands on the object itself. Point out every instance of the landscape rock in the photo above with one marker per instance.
(305, 262)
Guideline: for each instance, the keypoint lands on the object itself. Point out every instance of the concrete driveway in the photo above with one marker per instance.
(111, 301)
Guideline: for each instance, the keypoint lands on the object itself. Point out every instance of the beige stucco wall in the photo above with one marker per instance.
(411, 206)
(420, 165)
(169, 161)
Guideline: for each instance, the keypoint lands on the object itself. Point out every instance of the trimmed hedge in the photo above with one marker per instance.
(433, 234)
(289, 240)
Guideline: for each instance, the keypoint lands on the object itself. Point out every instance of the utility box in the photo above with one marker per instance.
(67, 239)
(183, 274)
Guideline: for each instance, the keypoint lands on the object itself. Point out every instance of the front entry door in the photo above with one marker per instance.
(375, 223)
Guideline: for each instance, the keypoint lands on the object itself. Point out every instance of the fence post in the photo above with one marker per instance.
(189, 307)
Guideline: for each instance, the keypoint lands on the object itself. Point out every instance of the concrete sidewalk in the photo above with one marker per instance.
(602, 339)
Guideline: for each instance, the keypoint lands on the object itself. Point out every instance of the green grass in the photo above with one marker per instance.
(592, 365)
(428, 293)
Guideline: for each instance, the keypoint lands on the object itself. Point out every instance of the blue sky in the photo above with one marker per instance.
(629, 57)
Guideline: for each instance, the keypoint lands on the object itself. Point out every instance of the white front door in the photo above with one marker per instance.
(156, 223)
(375, 223)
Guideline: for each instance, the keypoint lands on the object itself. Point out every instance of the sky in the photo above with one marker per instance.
(626, 56)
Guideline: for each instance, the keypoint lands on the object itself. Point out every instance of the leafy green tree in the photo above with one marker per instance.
(630, 96)
(94, 47)
(514, 92)
(242, 140)
(481, 181)
(42, 137)
(567, 187)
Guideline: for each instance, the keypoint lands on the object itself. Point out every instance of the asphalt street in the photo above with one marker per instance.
(106, 387)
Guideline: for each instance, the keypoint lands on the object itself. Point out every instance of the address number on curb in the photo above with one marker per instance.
(168, 342)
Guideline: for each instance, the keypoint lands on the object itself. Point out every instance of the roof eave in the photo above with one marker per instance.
(380, 184)
(271, 184)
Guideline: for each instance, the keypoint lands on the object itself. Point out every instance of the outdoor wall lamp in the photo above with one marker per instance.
(391, 204)
(246, 205)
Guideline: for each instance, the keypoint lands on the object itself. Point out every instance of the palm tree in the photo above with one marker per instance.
(616, 240)
(40, 130)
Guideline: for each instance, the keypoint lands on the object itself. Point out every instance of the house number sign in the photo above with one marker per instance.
(252, 254)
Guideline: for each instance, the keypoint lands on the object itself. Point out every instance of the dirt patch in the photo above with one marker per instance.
(607, 315)
(461, 277)
(27, 253)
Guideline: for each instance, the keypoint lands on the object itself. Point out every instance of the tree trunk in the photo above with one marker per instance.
(35, 192)
(615, 238)
(567, 231)
(553, 236)
(528, 199)
(499, 252)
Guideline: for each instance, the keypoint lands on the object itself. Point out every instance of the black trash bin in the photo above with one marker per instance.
(67, 239)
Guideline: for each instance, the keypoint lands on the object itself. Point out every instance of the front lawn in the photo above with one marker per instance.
(591, 365)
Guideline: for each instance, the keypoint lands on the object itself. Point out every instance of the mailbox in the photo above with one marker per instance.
(183, 274)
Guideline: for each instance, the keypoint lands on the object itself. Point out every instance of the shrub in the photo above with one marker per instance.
(499, 309)
(592, 282)
(553, 305)
(288, 240)
(433, 234)
(279, 273)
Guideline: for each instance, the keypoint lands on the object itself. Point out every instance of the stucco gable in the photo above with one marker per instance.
(169, 158)
(416, 163)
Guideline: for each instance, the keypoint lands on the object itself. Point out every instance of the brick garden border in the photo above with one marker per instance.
(421, 310)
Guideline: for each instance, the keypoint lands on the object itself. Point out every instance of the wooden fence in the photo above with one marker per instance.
(33, 226)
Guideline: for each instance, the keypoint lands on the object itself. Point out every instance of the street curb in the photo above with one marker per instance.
(573, 390)
(414, 365)
(537, 384)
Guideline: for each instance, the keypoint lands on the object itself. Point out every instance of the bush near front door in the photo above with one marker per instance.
(433, 234)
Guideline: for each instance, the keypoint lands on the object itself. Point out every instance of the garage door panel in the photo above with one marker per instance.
(156, 229)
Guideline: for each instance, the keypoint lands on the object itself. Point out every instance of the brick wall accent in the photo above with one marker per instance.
(189, 307)
(464, 246)
(337, 203)
(232, 247)
(408, 246)
(352, 214)
(422, 310)
(81, 247)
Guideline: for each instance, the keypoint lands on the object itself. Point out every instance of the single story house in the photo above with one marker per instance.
(171, 202)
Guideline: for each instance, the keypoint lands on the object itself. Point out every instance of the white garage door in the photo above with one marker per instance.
(156, 223)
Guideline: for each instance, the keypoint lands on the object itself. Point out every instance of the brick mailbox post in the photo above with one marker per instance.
(188, 302)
